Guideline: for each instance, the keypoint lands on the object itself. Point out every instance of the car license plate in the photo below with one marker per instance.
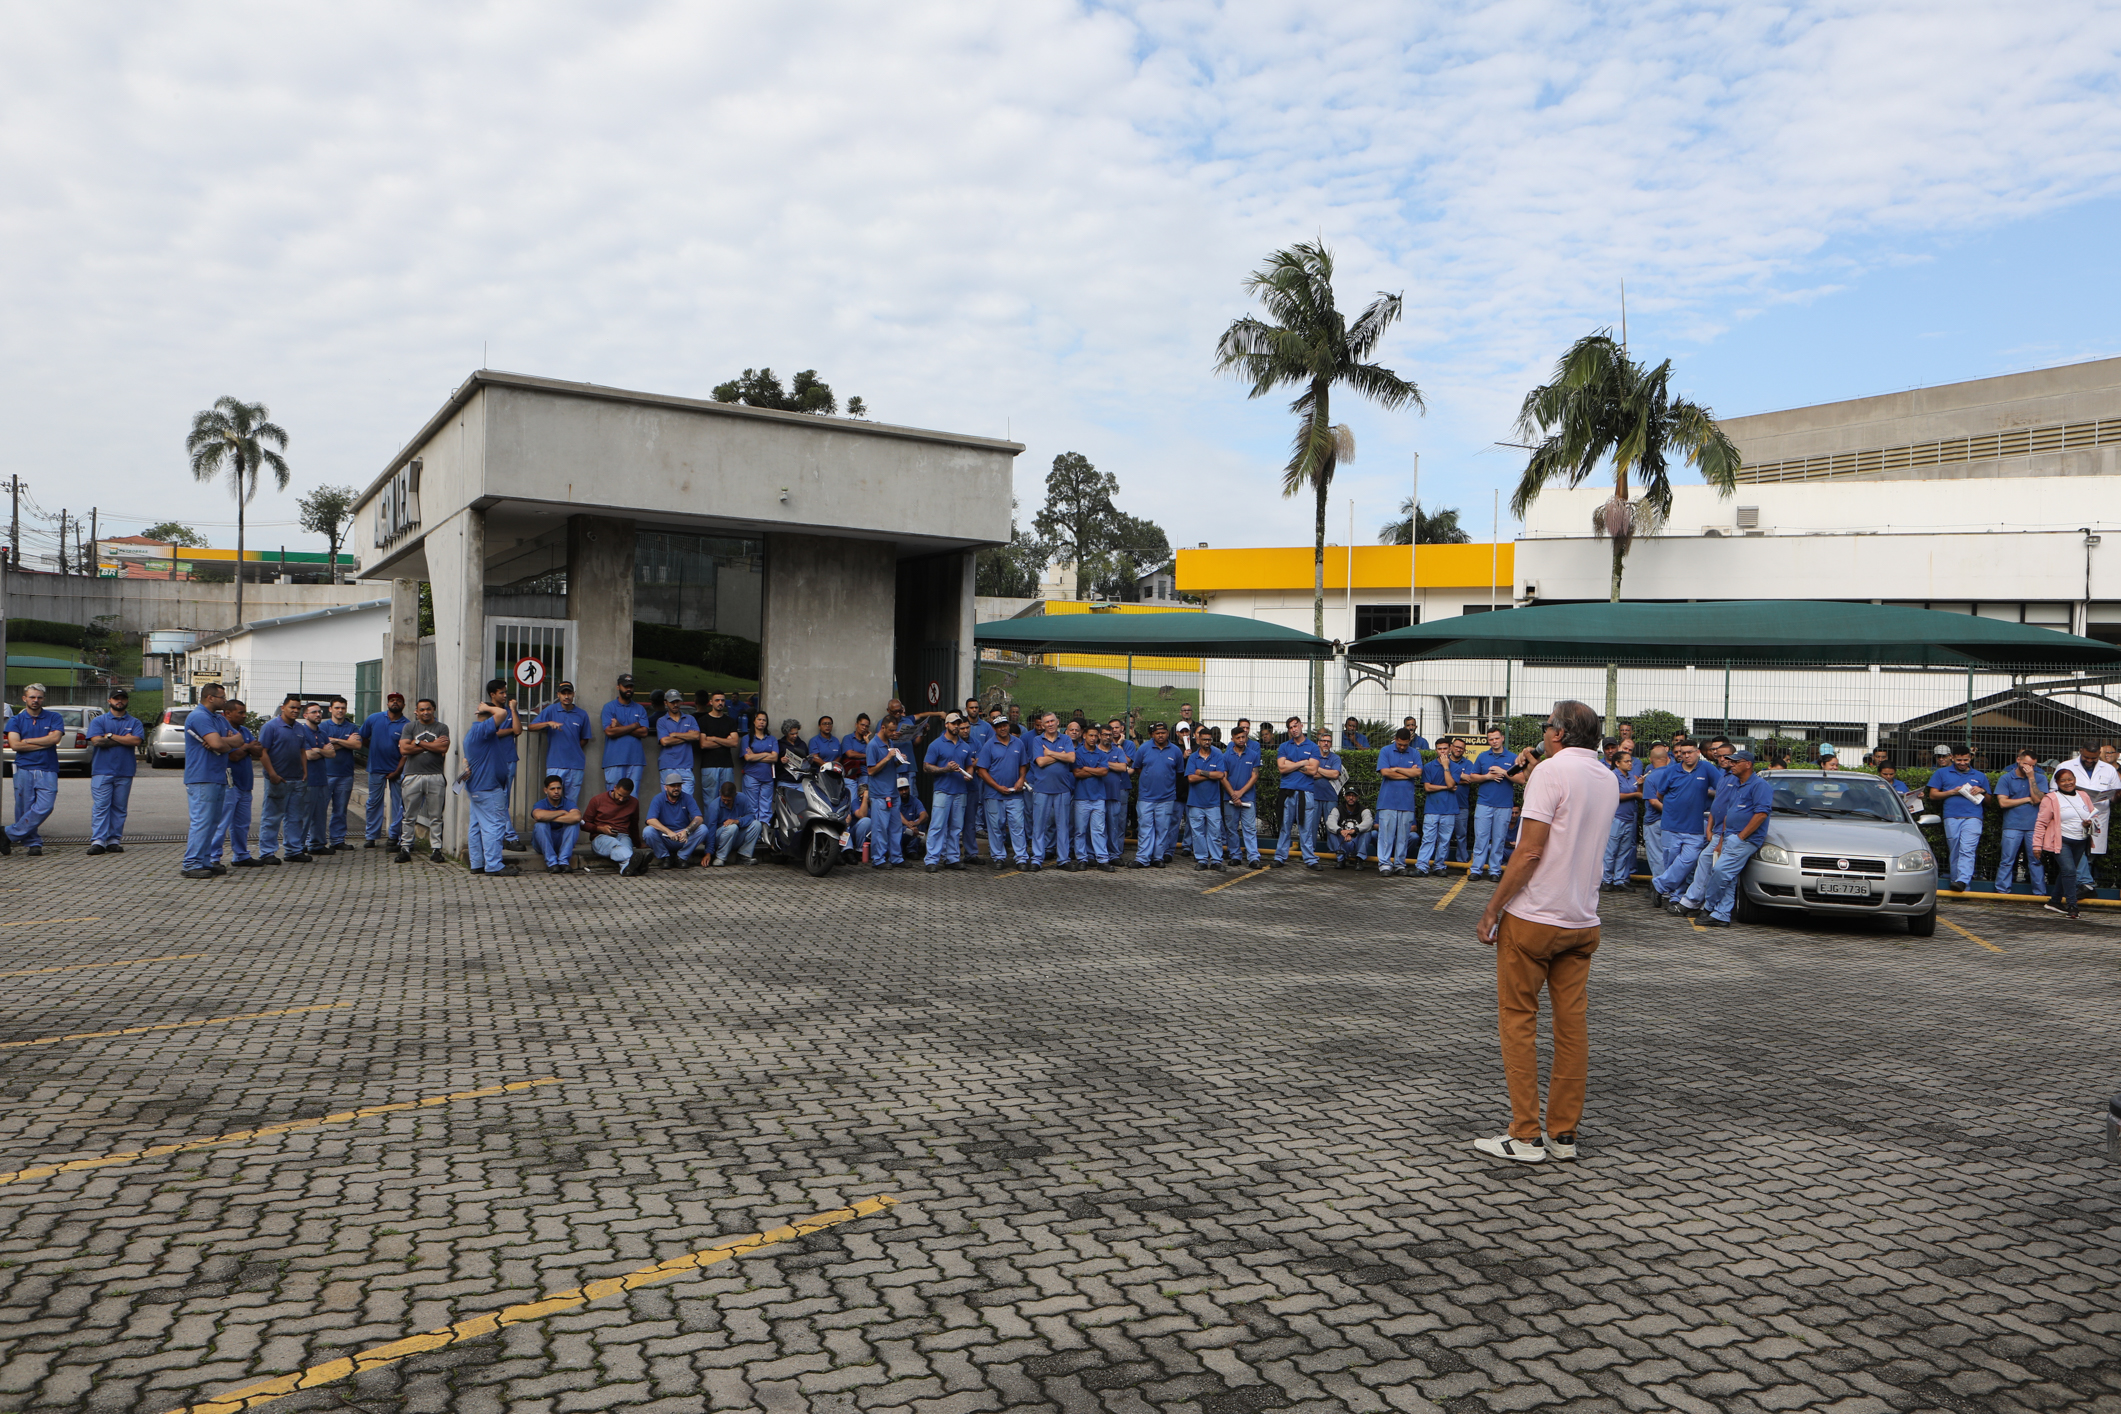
(1854, 888)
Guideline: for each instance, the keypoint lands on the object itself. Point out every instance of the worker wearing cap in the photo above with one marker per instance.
(485, 777)
(677, 735)
(566, 729)
(1156, 772)
(113, 743)
(1682, 803)
(675, 827)
(379, 735)
(344, 733)
(206, 745)
(625, 724)
(1004, 767)
(243, 754)
(949, 761)
(34, 734)
(1052, 793)
(1399, 766)
(1120, 758)
(1737, 828)
(1091, 846)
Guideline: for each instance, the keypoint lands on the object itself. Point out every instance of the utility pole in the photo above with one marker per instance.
(94, 568)
(62, 540)
(14, 531)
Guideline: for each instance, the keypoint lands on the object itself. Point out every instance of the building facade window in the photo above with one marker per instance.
(1383, 618)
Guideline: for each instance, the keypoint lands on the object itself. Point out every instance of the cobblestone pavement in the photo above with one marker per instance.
(1152, 1148)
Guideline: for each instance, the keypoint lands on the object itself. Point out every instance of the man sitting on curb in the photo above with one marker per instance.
(555, 826)
(676, 828)
(613, 823)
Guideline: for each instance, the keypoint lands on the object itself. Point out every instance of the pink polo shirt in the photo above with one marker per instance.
(1574, 792)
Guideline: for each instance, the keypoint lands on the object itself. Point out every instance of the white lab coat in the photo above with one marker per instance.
(2103, 783)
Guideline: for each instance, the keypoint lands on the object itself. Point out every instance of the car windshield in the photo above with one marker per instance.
(1843, 794)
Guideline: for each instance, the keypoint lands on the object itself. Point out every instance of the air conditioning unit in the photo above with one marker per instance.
(1749, 519)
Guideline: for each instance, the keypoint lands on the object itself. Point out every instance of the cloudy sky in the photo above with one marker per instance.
(1028, 219)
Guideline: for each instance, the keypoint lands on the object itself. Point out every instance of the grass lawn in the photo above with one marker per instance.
(1100, 697)
(652, 675)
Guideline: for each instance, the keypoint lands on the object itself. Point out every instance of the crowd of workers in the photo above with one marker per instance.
(924, 788)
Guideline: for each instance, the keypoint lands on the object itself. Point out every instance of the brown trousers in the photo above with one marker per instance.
(1529, 956)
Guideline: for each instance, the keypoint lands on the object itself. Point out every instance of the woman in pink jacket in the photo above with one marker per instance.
(2063, 832)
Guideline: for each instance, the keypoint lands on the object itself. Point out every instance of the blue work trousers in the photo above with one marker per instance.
(1090, 844)
(1241, 830)
(1355, 851)
(316, 822)
(1154, 822)
(1204, 825)
(742, 836)
(1006, 827)
(975, 816)
(946, 825)
(109, 797)
(1620, 850)
(755, 801)
(1299, 812)
(1652, 845)
(1461, 832)
(201, 845)
(616, 848)
(1393, 828)
(1715, 882)
(286, 811)
(663, 847)
(614, 774)
(712, 779)
(1116, 826)
(1962, 836)
(488, 827)
(2016, 842)
(340, 791)
(555, 842)
(1491, 833)
(1052, 827)
(1680, 852)
(886, 833)
(386, 806)
(36, 796)
(1436, 833)
(234, 830)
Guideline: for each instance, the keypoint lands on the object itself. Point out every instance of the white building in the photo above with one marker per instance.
(315, 656)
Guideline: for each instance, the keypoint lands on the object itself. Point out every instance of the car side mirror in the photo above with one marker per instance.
(1929, 819)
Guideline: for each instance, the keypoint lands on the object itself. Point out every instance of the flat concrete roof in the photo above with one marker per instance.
(494, 378)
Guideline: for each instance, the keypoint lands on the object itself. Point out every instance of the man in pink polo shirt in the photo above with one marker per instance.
(1542, 922)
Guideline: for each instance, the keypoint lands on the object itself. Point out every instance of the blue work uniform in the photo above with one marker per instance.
(1396, 806)
(36, 775)
(946, 829)
(1439, 822)
(385, 810)
(674, 763)
(1008, 814)
(205, 788)
(1241, 809)
(1653, 821)
(1052, 800)
(1716, 874)
(1962, 820)
(1492, 802)
(110, 777)
(1299, 805)
(1620, 839)
(287, 799)
(1685, 795)
(488, 788)
(234, 830)
(624, 756)
(677, 815)
(1156, 772)
(2018, 821)
(565, 753)
(338, 775)
(1088, 812)
(1204, 812)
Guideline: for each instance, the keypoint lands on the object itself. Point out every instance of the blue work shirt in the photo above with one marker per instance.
(318, 770)
(1901, 786)
(341, 766)
(1686, 797)
(1288, 754)
(1055, 777)
(1328, 788)
(563, 744)
(1736, 805)
(882, 775)
(42, 723)
(1005, 761)
(1202, 794)
(1442, 802)
(1241, 768)
(1117, 782)
(676, 814)
(1090, 787)
(1629, 779)
(1419, 744)
(1394, 793)
(852, 745)
(114, 760)
(979, 736)
(824, 748)
(679, 757)
(381, 732)
(624, 750)
(945, 752)
(719, 815)
(757, 771)
(1958, 807)
(909, 808)
(241, 769)
(1503, 792)
(284, 744)
(204, 766)
(482, 755)
(1652, 787)
(1355, 741)
(1158, 772)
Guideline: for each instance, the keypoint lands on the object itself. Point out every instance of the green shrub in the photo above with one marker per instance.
(45, 631)
(701, 648)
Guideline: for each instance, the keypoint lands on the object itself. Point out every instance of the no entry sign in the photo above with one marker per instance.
(530, 671)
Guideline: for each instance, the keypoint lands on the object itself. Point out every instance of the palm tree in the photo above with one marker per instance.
(1309, 345)
(1604, 404)
(1439, 528)
(230, 437)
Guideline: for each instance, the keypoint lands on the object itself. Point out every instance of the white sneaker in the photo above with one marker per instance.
(1561, 1146)
(1524, 1151)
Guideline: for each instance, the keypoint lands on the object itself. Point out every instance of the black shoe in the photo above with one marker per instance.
(1198, 866)
(931, 868)
(1279, 863)
(635, 867)
(7, 846)
(371, 844)
(1715, 922)
(198, 874)
(246, 864)
(956, 864)
(1678, 910)
(1106, 869)
(1158, 864)
(272, 859)
(217, 870)
(36, 849)
(503, 872)
(115, 848)
(1216, 865)
(95, 849)
(304, 858)
(1313, 867)
(402, 857)
(1657, 900)
(437, 857)
(1033, 868)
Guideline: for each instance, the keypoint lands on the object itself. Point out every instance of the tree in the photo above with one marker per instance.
(1602, 404)
(174, 532)
(761, 388)
(1310, 346)
(230, 438)
(1077, 521)
(1441, 528)
(1133, 547)
(328, 511)
(1010, 571)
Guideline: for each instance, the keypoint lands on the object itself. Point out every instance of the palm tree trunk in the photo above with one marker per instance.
(1612, 670)
(1318, 598)
(239, 542)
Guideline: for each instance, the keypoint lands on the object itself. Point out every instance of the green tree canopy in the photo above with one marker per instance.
(234, 439)
(175, 532)
(1441, 528)
(1080, 525)
(1011, 571)
(328, 511)
(761, 388)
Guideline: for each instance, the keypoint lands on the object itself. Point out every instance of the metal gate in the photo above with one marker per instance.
(535, 655)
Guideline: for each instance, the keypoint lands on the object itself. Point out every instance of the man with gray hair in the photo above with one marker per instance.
(1542, 921)
(34, 733)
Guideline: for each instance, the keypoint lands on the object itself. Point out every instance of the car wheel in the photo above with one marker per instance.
(1923, 925)
(1743, 909)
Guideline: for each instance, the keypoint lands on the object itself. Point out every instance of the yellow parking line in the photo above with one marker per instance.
(169, 1025)
(1453, 892)
(82, 966)
(250, 1396)
(1968, 936)
(1010, 875)
(33, 922)
(1238, 880)
(343, 1117)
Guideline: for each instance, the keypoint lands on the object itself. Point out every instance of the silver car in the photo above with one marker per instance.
(1842, 842)
(73, 747)
(165, 738)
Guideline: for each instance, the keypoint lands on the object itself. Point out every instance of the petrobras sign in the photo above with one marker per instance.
(398, 505)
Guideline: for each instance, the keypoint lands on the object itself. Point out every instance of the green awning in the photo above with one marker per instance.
(1176, 635)
(1742, 631)
(21, 660)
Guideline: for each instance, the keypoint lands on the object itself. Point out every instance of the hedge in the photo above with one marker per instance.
(45, 631)
(702, 648)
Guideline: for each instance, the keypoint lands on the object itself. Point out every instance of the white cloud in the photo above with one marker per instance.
(1032, 216)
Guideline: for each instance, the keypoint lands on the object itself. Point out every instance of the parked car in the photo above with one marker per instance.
(165, 739)
(1842, 842)
(73, 747)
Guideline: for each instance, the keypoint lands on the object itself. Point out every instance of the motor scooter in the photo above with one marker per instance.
(807, 823)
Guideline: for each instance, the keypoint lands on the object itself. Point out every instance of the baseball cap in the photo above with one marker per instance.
(395, 697)
(121, 692)
(625, 679)
(997, 714)
(1743, 755)
(1940, 749)
(953, 719)
(671, 694)
(563, 687)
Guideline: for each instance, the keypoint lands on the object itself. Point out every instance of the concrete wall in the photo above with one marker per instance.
(456, 553)
(828, 627)
(144, 605)
(600, 601)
